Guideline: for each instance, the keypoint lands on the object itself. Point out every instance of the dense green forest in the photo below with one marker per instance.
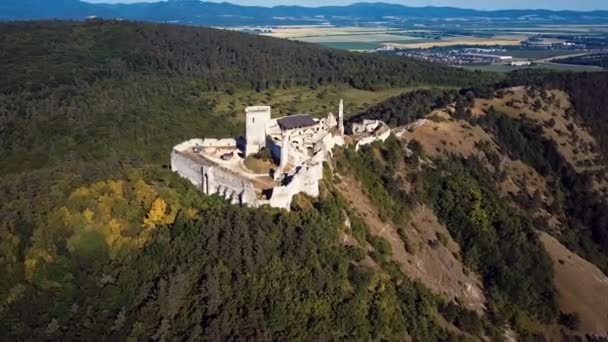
(596, 59)
(408, 107)
(99, 240)
(50, 54)
(149, 256)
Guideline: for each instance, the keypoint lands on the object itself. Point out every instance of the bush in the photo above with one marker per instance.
(571, 321)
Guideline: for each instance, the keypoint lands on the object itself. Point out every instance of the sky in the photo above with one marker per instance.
(578, 5)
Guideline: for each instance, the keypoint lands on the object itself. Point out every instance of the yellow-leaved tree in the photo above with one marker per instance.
(157, 213)
(102, 220)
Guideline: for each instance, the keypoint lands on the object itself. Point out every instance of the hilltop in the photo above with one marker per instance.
(481, 217)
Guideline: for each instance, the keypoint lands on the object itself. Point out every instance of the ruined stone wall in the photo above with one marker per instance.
(209, 142)
(381, 136)
(305, 148)
(330, 141)
(188, 144)
(187, 168)
(367, 126)
(184, 166)
(309, 135)
(210, 178)
(217, 180)
(304, 179)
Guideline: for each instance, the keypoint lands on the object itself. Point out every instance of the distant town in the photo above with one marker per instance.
(530, 52)
(492, 49)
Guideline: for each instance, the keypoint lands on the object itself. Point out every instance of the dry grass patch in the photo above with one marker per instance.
(582, 287)
(448, 136)
(467, 40)
(258, 165)
(553, 112)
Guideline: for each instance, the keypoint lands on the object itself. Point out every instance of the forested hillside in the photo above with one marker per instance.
(223, 59)
(99, 240)
(539, 146)
(596, 59)
(88, 87)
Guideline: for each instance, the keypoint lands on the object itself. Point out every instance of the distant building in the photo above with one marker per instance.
(489, 56)
(538, 42)
(521, 63)
(386, 47)
(257, 30)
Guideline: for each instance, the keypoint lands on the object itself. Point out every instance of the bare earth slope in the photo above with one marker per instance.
(582, 287)
(434, 264)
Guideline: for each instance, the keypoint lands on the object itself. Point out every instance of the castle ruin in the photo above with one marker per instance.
(277, 159)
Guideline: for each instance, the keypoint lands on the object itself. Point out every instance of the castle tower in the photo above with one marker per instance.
(285, 145)
(256, 118)
(341, 117)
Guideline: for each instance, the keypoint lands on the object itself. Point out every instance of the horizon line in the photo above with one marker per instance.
(386, 2)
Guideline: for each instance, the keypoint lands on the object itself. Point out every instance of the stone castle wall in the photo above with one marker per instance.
(217, 180)
(187, 168)
(209, 178)
(228, 142)
(305, 179)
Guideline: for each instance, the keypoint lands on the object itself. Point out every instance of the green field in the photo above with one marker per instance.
(537, 53)
(358, 38)
(369, 38)
(352, 45)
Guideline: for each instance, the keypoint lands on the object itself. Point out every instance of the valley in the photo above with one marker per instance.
(483, 47)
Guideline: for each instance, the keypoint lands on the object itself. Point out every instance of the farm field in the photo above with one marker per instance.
(360, 37)
(534, 54)
(373, 37)
(352, 46)
(347, 38)
(366, 38)
(302, 31)
(509, 39)
(556, 29)
(464, 40)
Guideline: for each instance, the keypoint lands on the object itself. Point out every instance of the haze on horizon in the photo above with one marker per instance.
(579, 5)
